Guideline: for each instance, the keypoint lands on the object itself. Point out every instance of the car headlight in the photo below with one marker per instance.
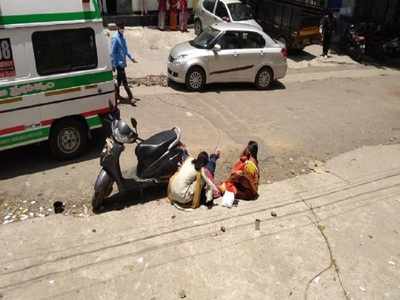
(180, 59)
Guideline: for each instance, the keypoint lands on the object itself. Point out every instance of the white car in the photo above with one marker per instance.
(209, 12)
(228, 52)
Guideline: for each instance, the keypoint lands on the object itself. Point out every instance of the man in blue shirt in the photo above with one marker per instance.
(119, 52)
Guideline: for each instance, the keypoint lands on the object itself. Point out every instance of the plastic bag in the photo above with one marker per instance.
(228, 199)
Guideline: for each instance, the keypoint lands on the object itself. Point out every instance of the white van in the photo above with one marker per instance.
(55, 74)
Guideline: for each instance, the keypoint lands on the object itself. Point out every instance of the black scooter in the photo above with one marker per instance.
(354, 42)
(158, 159)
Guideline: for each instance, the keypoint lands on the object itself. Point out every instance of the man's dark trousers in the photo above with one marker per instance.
(121, 79)
(326, 43)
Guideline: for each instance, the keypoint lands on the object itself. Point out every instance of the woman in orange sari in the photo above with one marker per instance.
(245, 175)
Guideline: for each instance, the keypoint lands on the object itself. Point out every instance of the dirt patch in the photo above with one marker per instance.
(151, 80)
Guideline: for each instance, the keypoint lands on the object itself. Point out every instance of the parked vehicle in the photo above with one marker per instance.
(391, 48)
(228, 52)
(381, 42)
(158, 159)
(353, 42)
(230, 11)
(55, 74)
(291, 23)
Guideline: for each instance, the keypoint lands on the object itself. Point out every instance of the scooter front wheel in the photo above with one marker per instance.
(103, 188)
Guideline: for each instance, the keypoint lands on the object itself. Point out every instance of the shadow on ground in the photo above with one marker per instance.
(224, 87)
(300, 55)
(37, 158)
(377, 60)
(120, 201)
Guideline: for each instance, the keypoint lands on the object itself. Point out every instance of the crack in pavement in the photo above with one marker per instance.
(333, 263)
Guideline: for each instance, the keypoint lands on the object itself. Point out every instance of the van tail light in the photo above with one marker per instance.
(284, 52)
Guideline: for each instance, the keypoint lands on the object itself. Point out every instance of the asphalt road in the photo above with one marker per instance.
(296, 125)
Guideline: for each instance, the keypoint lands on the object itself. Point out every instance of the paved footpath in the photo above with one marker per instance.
(331, 234)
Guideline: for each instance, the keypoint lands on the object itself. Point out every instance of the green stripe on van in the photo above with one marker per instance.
(42, 18)
(55, 84)
(94, 121)
(24, 137)
(56, 17)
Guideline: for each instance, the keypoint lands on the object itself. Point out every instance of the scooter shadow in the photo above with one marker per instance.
(120, 201)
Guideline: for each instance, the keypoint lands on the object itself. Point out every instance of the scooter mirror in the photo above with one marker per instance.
(134, 123)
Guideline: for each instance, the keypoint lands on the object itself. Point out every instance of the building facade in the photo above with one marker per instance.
(125, 7)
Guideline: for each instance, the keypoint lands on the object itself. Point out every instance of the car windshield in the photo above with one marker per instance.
(240, 11)
(205, 39)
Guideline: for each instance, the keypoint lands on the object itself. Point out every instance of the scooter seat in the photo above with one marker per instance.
(156, 145)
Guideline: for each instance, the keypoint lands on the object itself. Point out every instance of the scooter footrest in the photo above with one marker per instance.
(141, 180)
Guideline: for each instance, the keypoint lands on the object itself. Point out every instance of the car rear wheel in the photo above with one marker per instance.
(195, 79)
(264, 79)
(198, 28)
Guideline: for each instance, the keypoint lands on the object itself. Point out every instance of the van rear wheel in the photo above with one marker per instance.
(68, 139)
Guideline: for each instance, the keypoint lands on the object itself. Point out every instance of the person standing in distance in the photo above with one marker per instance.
(162, 10)
(327, 28)
(183, 15)
(119, 52)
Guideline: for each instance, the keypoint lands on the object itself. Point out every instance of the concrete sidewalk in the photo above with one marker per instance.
(332, 234)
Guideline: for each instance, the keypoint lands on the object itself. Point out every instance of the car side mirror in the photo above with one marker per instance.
(134, 123)
(217, 48)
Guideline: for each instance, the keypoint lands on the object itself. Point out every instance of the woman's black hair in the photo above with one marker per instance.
(200, 161)
(252, 148)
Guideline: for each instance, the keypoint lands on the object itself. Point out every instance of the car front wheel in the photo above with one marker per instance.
(195, 79)
(264, 79)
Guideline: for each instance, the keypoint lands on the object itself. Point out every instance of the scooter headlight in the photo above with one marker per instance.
(123, 139)
(123, 134)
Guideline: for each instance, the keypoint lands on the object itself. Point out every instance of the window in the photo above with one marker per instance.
(221, 11)
(230, 40)
(285, 16)
(62, 51)
(252, 40)
(278, 15)
(240, 11)
(209, 5)
(205, 39)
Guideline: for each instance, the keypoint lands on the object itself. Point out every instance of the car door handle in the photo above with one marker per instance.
(235, 54)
